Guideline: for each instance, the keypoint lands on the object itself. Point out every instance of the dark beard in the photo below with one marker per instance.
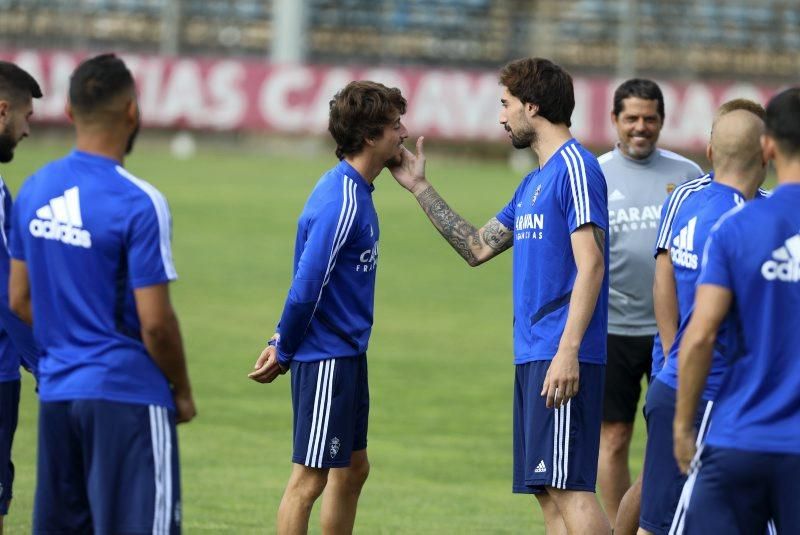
(394, 161)
(7, 144)
(523, 140)
(132, 140)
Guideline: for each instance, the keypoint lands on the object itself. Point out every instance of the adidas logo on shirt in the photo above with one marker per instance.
(60, 219)
(683, 247)
(785, 263)
(540, 468)
(616, 195)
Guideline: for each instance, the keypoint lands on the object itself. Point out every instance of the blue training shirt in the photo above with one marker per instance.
(668, 212)
(328, 312)
(551, 203)
(755, 253)
(16, 338)
(691, 225)
(90, 233)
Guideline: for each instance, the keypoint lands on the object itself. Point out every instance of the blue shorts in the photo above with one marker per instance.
(662, 480)
(330, 399)
(737, 492)
(106, 467)
(556, 447)
(9, 412)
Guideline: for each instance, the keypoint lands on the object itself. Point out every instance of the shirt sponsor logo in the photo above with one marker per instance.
(61, 220)
(529, 226)
(368, 259)
(683, 246)
(785, 263)
(634, 218)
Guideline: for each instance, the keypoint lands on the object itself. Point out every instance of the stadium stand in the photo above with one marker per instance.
(689, 38)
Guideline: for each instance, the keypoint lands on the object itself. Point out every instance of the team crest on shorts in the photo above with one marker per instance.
(536, 194)
(334, 447)
(670, 187)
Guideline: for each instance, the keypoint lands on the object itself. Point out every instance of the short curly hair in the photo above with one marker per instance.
(543, 83)
(359, 112)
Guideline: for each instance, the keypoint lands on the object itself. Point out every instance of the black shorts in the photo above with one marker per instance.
(629, 359)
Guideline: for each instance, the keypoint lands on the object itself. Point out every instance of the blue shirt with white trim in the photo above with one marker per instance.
(16, 338)
(691, 225)
(90, 233)
(328, 311)
(666, 223)
(755, 253)
(551, 203)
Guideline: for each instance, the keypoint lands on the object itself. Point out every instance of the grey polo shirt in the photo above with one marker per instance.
(636, 191)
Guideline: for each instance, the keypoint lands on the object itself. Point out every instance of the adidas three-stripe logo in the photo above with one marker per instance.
(683, 246)
(540, 468)
(785, 262)
(61, 220)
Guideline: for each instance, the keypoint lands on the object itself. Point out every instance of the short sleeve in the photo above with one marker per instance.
(507, 215)
(717, 258)
(664, 228)
(584, 194)
(16, 246)
(148, 244)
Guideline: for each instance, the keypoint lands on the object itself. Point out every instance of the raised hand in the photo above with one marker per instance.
(410, 172)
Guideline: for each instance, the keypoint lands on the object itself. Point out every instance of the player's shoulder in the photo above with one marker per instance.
(577, 162)
(690, 187)
(139, 193)
(606, 158)
(679, 161)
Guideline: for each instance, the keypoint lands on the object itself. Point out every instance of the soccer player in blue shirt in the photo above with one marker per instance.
(91, 263)
(17, 91)
(557, 222)
(749, 468)
(326, 322)
(739, 168)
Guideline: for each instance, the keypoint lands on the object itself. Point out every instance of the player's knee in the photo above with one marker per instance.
(307, 484)
(357, 475)
(616, 437)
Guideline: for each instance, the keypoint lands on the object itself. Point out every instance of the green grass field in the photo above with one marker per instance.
(440, 356)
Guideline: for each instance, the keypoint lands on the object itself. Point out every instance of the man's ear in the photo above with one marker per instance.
(69, 112)
(767, 148)
(369, 141)
(5, 111)
(532, 109)
(132, 111)
(710, 154)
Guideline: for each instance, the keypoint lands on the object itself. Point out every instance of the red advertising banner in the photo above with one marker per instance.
(233, 94)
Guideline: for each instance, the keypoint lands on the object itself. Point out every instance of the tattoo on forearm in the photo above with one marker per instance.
(461, 235)
(497, 236)
(599, 238)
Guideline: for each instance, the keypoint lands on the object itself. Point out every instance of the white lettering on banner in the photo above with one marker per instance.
(183, 99)
(274, 102)
(742, 90)
(692, 117)
(228, 100)
(149, 74)
(456, 105)
(319, 107)
(581, 118)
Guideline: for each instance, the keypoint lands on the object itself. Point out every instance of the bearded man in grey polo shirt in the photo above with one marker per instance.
(639, 177)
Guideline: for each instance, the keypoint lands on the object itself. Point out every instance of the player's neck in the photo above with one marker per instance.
(101, 144)
(743, 184)
(549, 138)
(788, 170)
(368, 169)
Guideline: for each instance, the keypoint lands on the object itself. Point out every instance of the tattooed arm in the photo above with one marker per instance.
(588, 248)
(476, 246)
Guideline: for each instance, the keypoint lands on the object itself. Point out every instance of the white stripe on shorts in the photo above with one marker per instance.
(162, 463)
(686, 493)
(321, 415)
